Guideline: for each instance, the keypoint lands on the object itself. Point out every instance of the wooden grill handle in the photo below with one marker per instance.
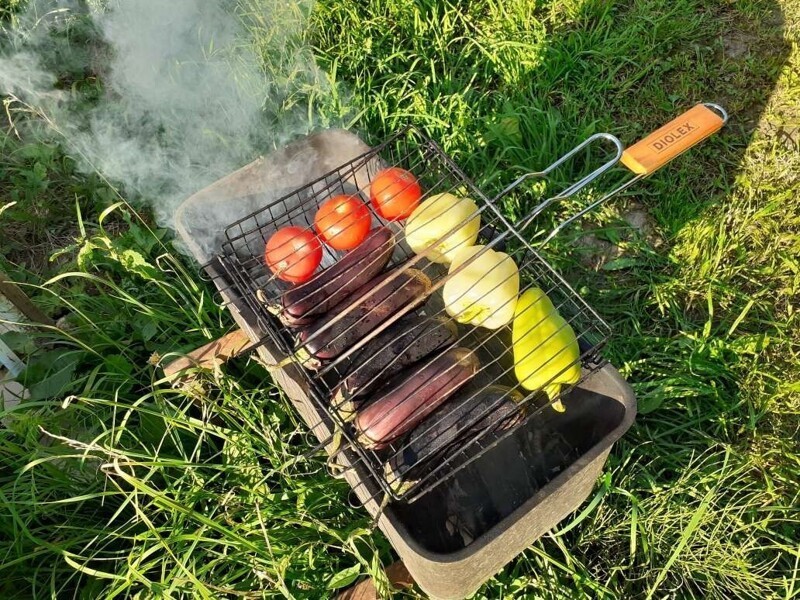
(674, 138)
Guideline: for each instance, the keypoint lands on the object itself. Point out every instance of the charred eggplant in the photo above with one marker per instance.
(406, 403)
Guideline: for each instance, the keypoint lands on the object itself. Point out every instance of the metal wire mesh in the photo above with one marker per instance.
(478, 414)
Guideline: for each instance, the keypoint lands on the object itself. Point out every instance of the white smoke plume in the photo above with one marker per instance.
(190, 89)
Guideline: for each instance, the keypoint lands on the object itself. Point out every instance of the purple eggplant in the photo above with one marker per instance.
(302, 304)
(354, 318)
(405, 404)
(410, 339)
(492, 409)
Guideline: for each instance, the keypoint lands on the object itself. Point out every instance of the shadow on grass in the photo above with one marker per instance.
(653, 61)
(502, 109)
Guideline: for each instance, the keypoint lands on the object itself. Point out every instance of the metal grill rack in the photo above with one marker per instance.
(242, 261)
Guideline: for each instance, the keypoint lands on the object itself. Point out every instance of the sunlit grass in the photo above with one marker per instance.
(114, 483)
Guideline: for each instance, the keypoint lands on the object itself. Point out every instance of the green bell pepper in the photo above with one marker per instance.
(546, 354)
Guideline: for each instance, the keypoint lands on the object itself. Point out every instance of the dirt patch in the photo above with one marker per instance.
(736, 45)
(596, 252)
(642, 223)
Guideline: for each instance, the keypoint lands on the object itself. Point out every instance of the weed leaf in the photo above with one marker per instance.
(344, 577)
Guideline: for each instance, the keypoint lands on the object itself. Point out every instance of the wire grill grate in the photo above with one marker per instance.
(243, 265)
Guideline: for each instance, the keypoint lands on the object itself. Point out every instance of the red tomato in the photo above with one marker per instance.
(343, 222)
(395, 193)
(293, 254)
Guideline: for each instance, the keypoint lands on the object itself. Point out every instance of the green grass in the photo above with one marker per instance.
(142, 489)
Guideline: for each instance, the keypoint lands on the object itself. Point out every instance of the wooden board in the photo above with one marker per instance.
(396, 573)
(22, 303)
(212, 354)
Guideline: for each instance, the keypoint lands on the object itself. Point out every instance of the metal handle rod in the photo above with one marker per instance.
(590, 208)
(711, 105)
(722, 112)
(571, 189)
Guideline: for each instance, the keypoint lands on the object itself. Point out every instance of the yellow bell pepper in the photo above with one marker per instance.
(546, 354)
(484, 292)
(446, 222)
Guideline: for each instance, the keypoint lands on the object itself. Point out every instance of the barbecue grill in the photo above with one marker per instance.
(459, 518)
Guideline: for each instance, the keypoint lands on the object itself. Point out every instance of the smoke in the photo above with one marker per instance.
(186, 90)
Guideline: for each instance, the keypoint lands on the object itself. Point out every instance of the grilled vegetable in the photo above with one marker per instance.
(343, 222)
(546, 354)
(395, 193)
(443, 224)
(334, 284)
(293, 254)
(484, 292)
(495, 408)
(359, 314)
(407, 341)
(406, 403)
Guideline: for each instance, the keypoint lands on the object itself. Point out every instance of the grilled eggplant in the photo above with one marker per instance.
(492, 409)
(406, 403)
(301, 304)
(355, 317)
(404, 343)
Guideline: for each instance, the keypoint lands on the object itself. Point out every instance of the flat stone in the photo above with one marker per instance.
(11, 394)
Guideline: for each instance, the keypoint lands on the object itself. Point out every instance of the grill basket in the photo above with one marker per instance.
(243, 256)
(395, 474)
